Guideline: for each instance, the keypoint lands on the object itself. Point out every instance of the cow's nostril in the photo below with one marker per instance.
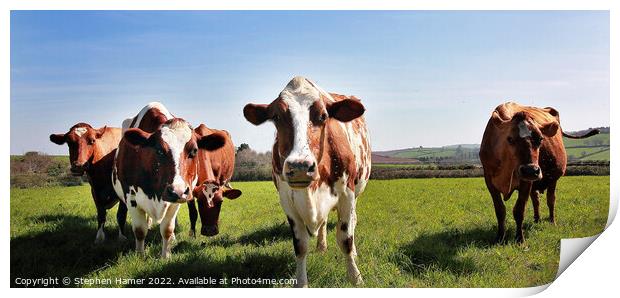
(312, 167)
(186, 191)
(170, 191)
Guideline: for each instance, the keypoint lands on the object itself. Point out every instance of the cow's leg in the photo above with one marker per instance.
(500, 211)
(535, 204)
(193, 217)
(166, 229)
(101, 214)
(139, 225)
(300, 244)
(551, 200)
(519, 209)
(121, 218)
(345, 234)
(321, 241)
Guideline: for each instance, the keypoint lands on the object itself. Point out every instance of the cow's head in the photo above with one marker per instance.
(300, 114)
(82, 140)
(524, 136)
(210, 196)
(168, 157)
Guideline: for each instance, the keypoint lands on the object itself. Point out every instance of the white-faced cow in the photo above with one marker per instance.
(321, 161)
(156, 169)
(522, 149)
(215, 169)
(92, 151)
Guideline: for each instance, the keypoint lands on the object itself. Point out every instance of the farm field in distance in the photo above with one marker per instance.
(411, 233)
(589, 149)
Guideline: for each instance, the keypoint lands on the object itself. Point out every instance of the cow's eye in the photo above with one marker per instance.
(160, 152)
(276, 117)
(91, 141)
(193, 152)
(511, 141)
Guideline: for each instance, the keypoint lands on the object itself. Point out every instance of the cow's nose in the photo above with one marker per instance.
(530, 172)
(300, 172)
(173, 194)
(300, 167)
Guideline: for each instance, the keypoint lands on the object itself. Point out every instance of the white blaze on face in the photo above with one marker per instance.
(176, 135)
(299, 95)
(79, 131)
(209, 191)
(524, 131)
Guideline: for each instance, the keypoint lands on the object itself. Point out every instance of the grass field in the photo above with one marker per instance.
(411, 233)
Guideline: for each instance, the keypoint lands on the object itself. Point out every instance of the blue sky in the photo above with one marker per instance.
(427, 78)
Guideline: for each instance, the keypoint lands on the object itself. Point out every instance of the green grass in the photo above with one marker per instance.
(411, 233)
(601, 155)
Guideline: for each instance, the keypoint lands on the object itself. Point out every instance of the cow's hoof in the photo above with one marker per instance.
(536, 219)
(356, 280)
(552, 222)
(305, 285)
(192, 234)
(100, 238)
(121, 238)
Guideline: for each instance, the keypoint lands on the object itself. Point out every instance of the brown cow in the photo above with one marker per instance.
(91, 151)
(215, 169)
(522, 149)
(321, 161)
(155, 169)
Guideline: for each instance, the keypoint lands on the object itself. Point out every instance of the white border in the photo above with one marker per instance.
(594, 272)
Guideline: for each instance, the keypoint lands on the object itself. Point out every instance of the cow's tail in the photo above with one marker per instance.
(586, 135)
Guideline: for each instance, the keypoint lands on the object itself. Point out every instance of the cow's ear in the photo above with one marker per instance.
(345, 110)
(550, 129)
(232, 193)
(256, 113)
(58, 138)
(99, 132)
(137, 137)
(212, 142)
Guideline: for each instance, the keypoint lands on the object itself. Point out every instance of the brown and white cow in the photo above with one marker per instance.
(321, 161)
(92, 151)
(522, 149)
(215, 169)
(156, 168)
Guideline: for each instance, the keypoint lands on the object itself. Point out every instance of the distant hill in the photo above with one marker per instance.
(589, 149)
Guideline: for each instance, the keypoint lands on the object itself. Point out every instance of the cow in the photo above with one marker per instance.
(155, 169)
(215, 169)
(91, 151)
(522, 149)
(321, 160)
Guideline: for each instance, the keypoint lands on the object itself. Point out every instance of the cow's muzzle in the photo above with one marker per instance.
(173, 195)
(78, 169)
(530, 172)
(209, 230)
(299, 174)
